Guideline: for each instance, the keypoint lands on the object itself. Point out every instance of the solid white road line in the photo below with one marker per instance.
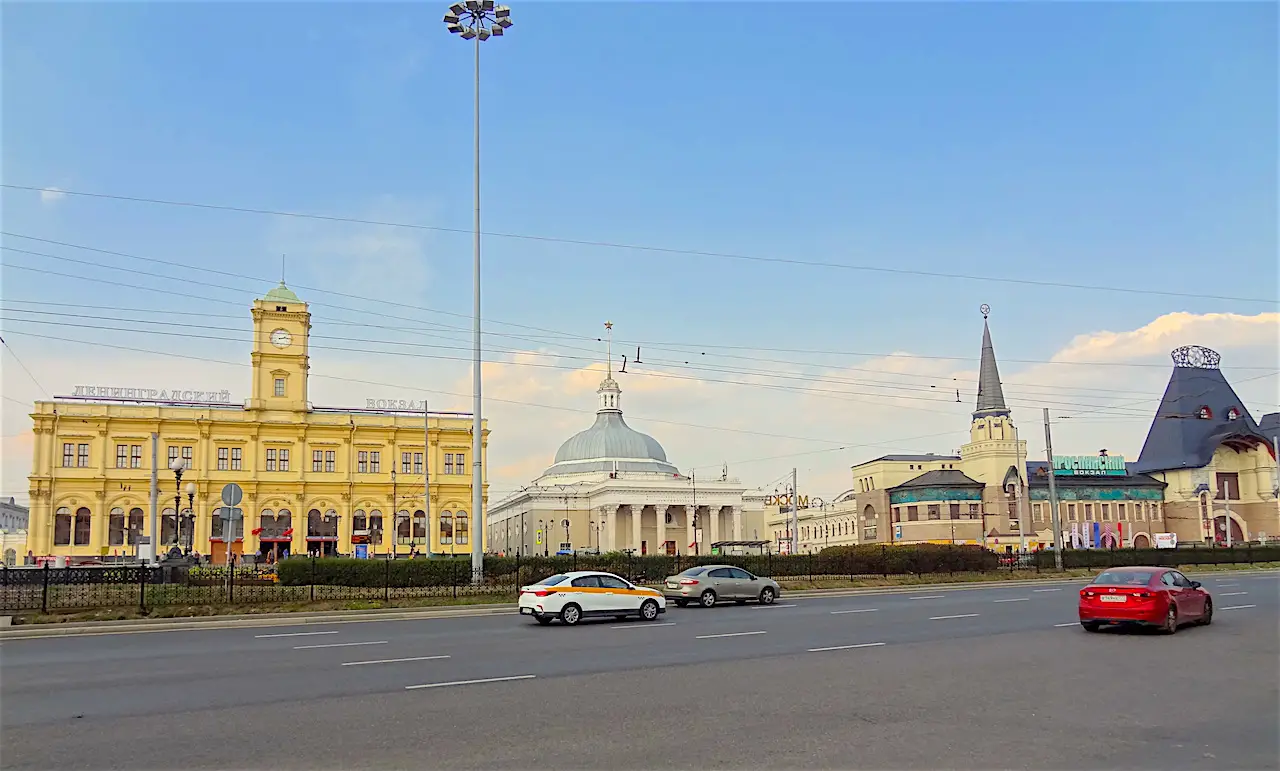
(1232, 594)
(943, 618)
(338, 645)
(727, 634)
(1014, 599)
(758, 607)
(289, 634)
(1073, 623)
(929, 597)
(1047, 590)
(855, 610)
(1238, 607)
(845, 647)
(392, 661)
(643, 626)
(470, 682)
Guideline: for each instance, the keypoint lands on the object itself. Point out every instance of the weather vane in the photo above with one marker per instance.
(986, 310)
(608, 327)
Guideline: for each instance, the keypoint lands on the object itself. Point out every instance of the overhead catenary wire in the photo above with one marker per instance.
(656, 249)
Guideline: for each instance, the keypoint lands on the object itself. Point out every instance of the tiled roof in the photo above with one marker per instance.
(940, 478)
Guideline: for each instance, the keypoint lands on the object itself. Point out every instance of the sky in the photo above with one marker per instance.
(794, 219)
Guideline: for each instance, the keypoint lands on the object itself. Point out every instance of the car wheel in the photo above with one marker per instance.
(649, 610)
(570, 614)
(1170, 624)
(544, 620)
(708, 598)
(682, 603)
(1207, 618)
(1090, 626)
(768, 595)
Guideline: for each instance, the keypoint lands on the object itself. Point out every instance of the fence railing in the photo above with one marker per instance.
(304, 580)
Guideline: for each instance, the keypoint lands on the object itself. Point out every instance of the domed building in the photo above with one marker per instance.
(612, 488)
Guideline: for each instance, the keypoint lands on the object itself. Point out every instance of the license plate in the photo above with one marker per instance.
(1115, 598)
(673, 586)
(526, 611)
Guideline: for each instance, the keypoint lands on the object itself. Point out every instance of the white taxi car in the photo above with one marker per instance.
(581, 594)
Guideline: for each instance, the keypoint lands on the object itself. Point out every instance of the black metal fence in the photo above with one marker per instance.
(302, 581)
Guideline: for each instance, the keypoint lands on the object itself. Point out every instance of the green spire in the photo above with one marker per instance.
(283, 294)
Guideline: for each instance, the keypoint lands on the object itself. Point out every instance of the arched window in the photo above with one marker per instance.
(167, 532)
(359, 522)
(404, 528)
(84, 526)
(284, 520)
(375, 527)
(115, 527)
(314, 523)
(136, 526)
(10, 557)
(419, 526)
(446, 527)
(62, 527)
(463, 528)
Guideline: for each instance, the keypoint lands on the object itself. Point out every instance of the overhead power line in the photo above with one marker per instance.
(657, 249)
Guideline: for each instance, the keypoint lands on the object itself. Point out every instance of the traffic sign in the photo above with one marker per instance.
(232, 494)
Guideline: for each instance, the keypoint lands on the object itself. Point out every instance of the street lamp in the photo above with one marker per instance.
(191, 516)
(178, 466)
(477, 20)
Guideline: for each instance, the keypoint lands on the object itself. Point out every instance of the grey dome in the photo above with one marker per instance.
(608, 444)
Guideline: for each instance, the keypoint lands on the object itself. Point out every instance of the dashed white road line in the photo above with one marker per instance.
(470, 682)
(392, 661)
(339, 645)
(1073, 623)
(854, 610)
(1047, 590)
(960, 615)
(643, 626)
(845, 647)
(289, 634)
(727, 634)
(1232, 594)
(929, 597)
(1014, 599)
(760, 607)
(1238, 607)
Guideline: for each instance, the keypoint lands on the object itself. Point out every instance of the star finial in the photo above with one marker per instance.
(608, 326)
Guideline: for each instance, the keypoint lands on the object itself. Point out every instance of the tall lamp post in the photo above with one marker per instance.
(178, 466)
(190, 518)
(477, 20)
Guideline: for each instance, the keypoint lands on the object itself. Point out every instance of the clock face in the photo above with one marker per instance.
(281, 339)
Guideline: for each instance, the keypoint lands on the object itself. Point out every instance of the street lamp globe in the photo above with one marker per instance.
(191, 488)
(178, 465)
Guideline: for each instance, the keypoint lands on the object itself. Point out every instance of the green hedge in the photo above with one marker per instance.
(1200, 555)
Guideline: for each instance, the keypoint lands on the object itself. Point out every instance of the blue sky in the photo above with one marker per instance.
(1114, 144)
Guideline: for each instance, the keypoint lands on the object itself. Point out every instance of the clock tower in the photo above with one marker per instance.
(281, 324)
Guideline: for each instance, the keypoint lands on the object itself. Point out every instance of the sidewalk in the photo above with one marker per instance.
(302, 618)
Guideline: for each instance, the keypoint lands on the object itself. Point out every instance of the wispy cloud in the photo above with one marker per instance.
(50, 195)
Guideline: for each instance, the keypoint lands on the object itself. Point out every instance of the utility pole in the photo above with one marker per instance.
(795, 514)
(155, 497)
(1055, 523)
(1019, 498)
(1275, 454)
(426, 473)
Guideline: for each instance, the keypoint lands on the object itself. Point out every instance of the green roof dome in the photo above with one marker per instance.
(282, 293)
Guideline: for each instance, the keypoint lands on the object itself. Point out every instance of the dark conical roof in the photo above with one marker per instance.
(990, 393)
(1270, 424)
(1199, 413)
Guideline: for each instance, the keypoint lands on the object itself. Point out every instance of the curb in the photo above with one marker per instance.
(249, 621)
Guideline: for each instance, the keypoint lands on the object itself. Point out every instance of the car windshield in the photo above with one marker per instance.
(697, 571)
(553, 580)
(1124, 578)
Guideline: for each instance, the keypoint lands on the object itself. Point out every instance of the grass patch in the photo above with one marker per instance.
(871, 582)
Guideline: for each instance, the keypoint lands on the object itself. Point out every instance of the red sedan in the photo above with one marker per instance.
(1157, 597)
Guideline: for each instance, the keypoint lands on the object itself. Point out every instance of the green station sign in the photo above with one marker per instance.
(1088, 466)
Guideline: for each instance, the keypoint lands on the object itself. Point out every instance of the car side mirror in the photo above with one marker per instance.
(753, 578)
(1196, 584)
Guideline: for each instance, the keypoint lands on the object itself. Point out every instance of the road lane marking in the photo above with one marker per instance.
(1047, 590)
(1073, 623)
(929, 597)
(392, 661)
(944, 618)
(727, 634)
(855, 610)
(1238, 607)
(1014, 599)
(470, 682)
(339, 645)
(758, 607)
(643, 626)
(289, 634)
(1232, 594)
(845, 647)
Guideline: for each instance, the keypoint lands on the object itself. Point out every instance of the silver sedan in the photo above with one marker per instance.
(709, 584)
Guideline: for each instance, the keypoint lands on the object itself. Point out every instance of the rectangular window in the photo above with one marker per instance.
(1106, 511)
(330, 460)
(1037, 512)
(317, 460)
(953, 511)
(405, 463)
(448, 463)
(935, 511)
(235, 458)
(223, 455)
(1122, 512)
(188, 456)
(375, 462)
(135, 456)
(417, 463)
(459, 463)
(1088, 512)
(1228, 487)
(279, 386)
(974, 513)
(284, 460)
(897, 514)
(122, 456)
(271, 460)
(913, 513)
(82, 456)
(172, 455)
(68, 455)
(1071, 512)
(362, 466)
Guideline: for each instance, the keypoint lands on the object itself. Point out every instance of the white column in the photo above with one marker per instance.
(660, 511)
(637, 514)
(737, 523)
(691, 532)
(713, 513)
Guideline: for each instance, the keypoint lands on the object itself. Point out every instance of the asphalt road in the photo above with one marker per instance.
(995, 677)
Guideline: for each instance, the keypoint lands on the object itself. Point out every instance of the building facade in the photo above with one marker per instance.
(611, 488)
(315, 479)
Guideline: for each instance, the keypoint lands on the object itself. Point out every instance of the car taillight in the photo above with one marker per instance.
(544, 592)
(1086, 593)
(1142, 595)
(688, 581)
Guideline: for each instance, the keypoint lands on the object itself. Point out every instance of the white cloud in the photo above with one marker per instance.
(50, 195)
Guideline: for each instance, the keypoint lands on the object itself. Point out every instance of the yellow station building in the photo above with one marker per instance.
(315, 479)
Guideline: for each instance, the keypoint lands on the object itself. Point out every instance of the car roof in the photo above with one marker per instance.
(1134, 569)
(580, 573)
